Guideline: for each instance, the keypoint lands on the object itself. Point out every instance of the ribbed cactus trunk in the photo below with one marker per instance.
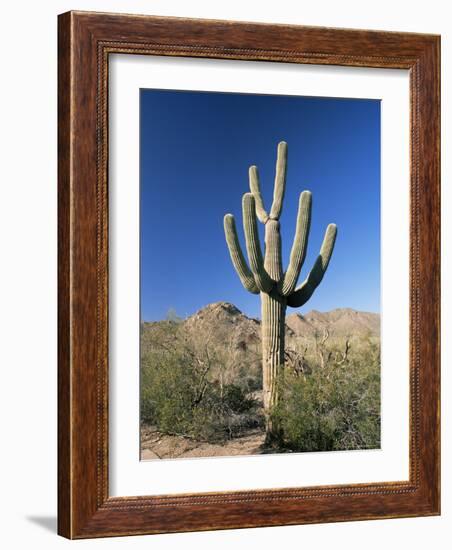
(265, 274)
(273, 310)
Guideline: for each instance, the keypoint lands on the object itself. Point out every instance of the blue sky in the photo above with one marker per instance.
(195, 150)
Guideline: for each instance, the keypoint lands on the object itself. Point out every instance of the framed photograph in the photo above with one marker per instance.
(248, 275)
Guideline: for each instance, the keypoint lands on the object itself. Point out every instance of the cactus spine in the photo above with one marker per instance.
(265, 275)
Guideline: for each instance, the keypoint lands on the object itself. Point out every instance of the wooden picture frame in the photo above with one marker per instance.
(85, 42)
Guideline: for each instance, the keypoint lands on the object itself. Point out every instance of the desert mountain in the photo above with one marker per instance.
(220, 320)
(342, 322)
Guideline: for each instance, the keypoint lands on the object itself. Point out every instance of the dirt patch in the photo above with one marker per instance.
(155, 445)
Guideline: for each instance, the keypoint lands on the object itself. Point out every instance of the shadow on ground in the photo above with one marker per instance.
(49, 523)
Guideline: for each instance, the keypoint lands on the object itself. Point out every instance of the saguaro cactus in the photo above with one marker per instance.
(265, 275)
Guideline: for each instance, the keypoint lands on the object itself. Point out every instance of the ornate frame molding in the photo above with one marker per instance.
(85, 42)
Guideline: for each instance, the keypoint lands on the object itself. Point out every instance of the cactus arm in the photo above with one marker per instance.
(299, 247)
(306, 289)
(280, 181)
(238, 260)
(253, 247)
(256, 190)
(272, 262)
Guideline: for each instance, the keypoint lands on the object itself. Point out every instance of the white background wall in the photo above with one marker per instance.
(28, 234)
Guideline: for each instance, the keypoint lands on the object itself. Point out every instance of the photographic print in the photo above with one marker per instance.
(259, 274)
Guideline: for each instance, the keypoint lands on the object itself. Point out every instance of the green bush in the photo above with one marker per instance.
(197, 388)
(333, 408)
(179, 397)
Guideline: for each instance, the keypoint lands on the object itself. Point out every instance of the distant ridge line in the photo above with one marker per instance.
(346, 321)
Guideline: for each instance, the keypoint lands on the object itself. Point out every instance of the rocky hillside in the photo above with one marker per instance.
(224, 324)
(343, 322)
(221, 320)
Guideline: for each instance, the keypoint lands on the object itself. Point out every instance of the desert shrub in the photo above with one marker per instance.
(180, 396)
(333, 408)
